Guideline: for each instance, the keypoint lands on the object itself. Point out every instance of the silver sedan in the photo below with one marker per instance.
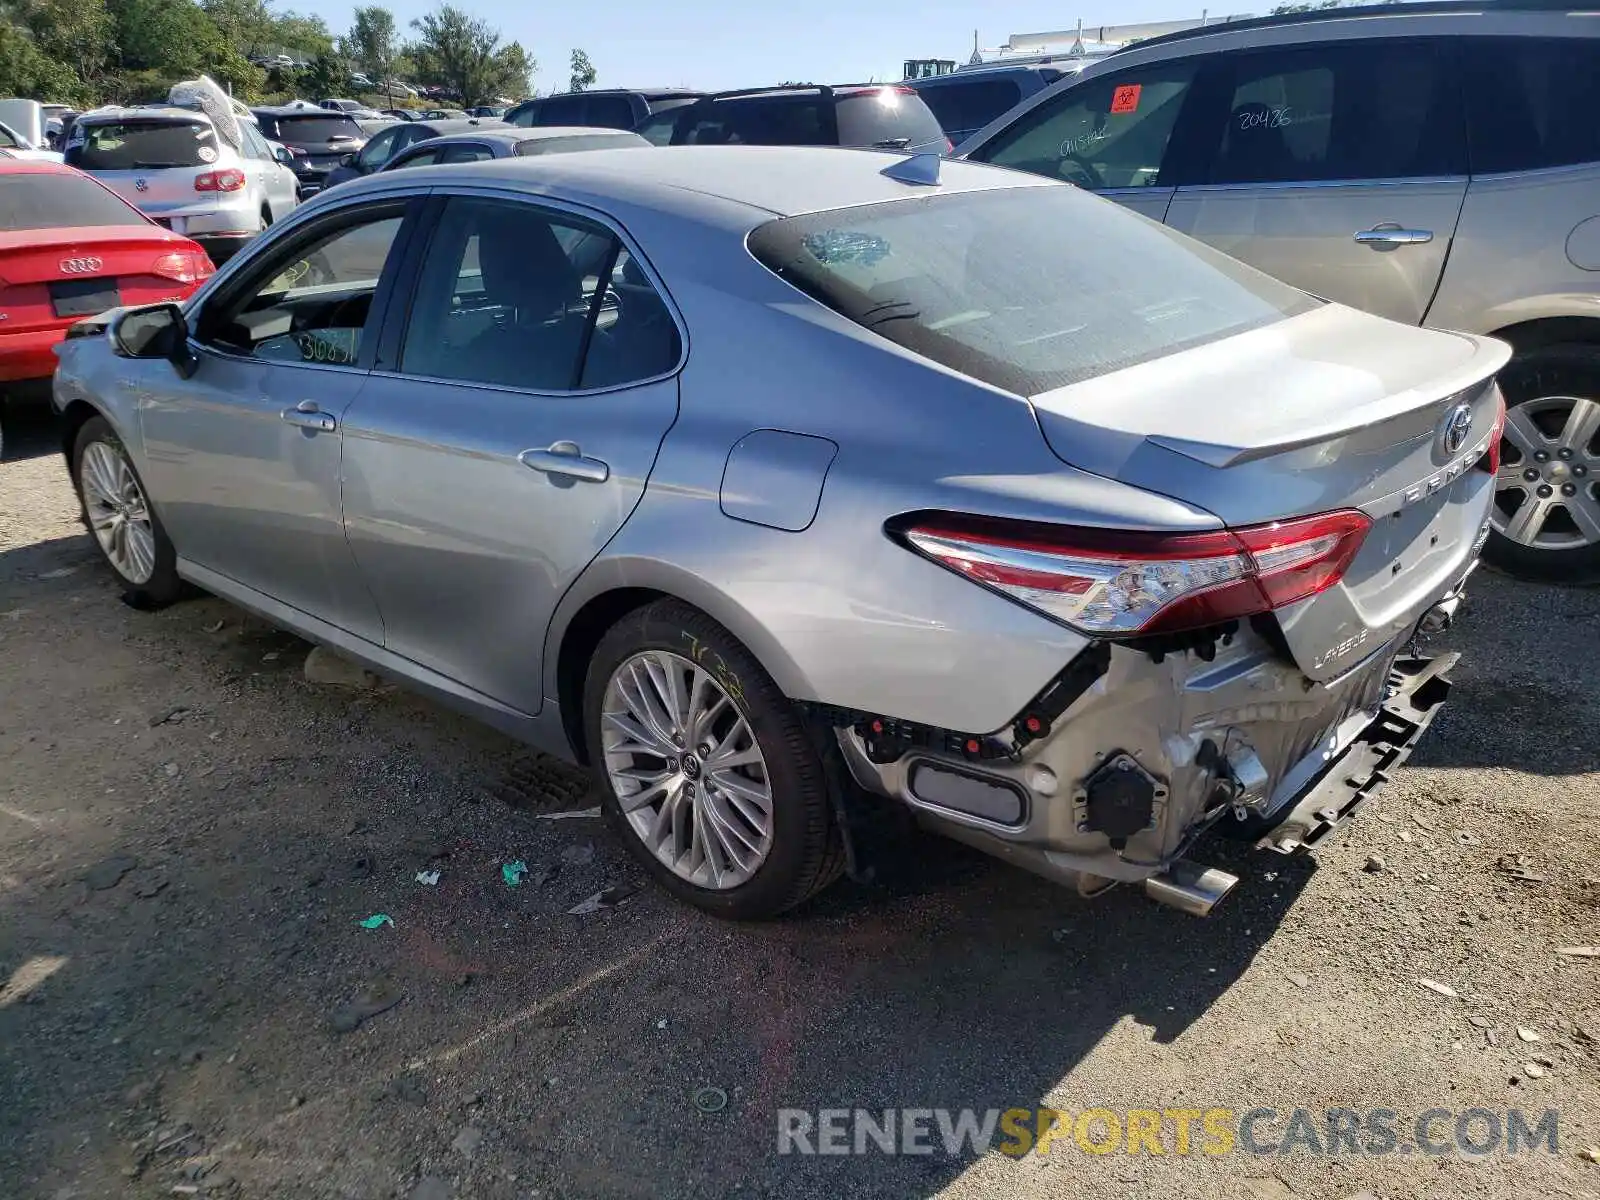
(785, 485)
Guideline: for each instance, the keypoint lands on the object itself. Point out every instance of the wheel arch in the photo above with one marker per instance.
(611, 589)
(74, 417)
(1539, 332)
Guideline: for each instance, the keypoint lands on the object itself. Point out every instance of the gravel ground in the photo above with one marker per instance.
(190, 834)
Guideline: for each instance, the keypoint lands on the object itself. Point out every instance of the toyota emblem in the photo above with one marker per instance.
(1457, 426)
(80, 266)
(139, 185)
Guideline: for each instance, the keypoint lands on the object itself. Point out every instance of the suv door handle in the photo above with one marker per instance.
(306, 415)
(565, 459)
(1388, 236)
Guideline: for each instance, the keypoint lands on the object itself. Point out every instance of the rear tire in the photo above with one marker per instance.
(121, 519)
(746, 841)
(1553, 410)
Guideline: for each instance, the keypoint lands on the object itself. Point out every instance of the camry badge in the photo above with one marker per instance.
(1457, 425)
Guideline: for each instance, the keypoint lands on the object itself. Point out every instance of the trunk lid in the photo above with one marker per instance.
(52, 276)
(1331, 409)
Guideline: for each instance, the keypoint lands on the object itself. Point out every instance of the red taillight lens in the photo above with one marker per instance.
(184, 266)
(1490, 461)
(226, 180)
(1121, 583)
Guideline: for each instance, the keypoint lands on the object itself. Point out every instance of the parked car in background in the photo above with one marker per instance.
(317, 139)
(360, 80)
(732, 462)
(401, 114)
(17, 146)
(443, 114)
(609, 108)
(1439, 167)
(486, 110)
(375, 155)
(511, 142)
(965, 101)
(25, 121)
(170, 164)
(349, 106)
(889, 117)
(69, 248)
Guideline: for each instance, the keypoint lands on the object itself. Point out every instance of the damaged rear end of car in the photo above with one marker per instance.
(1259, 677)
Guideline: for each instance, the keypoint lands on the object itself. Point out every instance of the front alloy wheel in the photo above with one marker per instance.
(686, 770)
(118, 513)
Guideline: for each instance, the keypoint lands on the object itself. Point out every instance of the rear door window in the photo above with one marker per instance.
(1377, 109)
(893, 117)
(1532, 102)
(962, 108)
(984, 283)
(143, 145)
(1110, 132)
(609, 112)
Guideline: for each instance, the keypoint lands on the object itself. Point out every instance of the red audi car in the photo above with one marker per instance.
(70, 248)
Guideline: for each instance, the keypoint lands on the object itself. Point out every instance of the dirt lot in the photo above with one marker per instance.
(190, 834)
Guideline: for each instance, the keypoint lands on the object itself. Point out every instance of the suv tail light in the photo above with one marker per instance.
(1490, 461)
(183, 266)
(1121, 583)
(226, 180)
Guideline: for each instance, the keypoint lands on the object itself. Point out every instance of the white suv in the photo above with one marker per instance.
(171, 165)
(1435, 163)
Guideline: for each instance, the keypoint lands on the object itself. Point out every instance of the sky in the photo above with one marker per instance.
(715, 44)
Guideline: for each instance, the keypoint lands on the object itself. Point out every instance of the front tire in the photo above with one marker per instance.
(123, 523)
(1545, 521)
(705, 768)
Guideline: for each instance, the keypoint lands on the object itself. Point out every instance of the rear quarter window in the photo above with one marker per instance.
(1028, 289)
(1532, 102)
(142, 145)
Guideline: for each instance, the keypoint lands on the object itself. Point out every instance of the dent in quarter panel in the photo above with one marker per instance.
(774, 478)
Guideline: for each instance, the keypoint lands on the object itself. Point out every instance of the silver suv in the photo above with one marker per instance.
(1437, 164)
(171, 165)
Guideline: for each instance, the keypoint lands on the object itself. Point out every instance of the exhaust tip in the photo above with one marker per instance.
(1190, 887)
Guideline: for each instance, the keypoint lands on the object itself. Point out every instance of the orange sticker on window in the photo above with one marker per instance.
(1126, 98)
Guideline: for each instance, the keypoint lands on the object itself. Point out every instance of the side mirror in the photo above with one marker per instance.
(159, 331)
(281, 153)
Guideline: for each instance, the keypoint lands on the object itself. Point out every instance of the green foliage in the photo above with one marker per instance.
(463, 54)
(87, 52)
(583, 73)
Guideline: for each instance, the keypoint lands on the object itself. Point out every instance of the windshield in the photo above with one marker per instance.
(142, 145)
(322, 127)
(1028, 289)
(65, 201)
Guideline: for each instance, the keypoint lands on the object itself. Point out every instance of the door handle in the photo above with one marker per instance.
(306, 415)
(564, 458)
(1389, 236)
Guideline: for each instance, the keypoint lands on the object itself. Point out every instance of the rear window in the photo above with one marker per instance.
(609, 112)
(142, 145)
(558, 110)
(967, 107)
(578, 141)
(61, 202)
(769, 120)
(889, 116)
(1027, 289)
(321, 128)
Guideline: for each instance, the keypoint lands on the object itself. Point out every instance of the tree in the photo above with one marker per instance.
(463, 54)
(327, 76)
(27, 71)
(370, 44)
(74, 34)
(583, 72)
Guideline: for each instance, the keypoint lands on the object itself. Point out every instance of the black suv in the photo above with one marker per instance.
(608, 108)
(317, 139)
(888, 117)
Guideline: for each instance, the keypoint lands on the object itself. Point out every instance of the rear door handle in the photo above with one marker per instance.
(1387, 237)
(306, 415)
(564, 458)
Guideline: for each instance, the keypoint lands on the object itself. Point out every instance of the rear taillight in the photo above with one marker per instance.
(1490, 461)
(184, 266)
(1120, 583)
(226, 180)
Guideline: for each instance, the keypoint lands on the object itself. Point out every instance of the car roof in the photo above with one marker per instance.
(515, 135)
(457, 125)
(697, 182)
(34, 166)
(146, 112)
(987, 71)
(298, 110)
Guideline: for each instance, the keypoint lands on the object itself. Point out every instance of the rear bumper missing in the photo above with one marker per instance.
(1418, 690)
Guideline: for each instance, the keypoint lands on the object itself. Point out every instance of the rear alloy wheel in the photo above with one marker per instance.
(118, 513)
(1545, 521)
(705, 766)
